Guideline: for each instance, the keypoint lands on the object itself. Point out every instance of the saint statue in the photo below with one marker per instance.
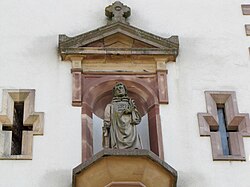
(120, 119)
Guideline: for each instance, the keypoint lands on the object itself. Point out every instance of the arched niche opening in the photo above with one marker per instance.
(99, 94)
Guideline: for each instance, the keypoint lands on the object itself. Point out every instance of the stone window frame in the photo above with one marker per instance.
(245, 9)
(246, 12)
(235, 120)
(30, 117)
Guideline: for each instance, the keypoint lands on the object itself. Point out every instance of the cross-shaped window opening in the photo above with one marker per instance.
(17, 128)
(225, 125)
(223, 130)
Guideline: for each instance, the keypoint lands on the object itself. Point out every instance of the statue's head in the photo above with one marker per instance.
(120, 90)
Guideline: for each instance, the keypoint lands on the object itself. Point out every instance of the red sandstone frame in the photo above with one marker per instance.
(119, 52)
(237, 125)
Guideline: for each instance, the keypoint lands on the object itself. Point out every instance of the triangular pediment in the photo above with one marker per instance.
(119, 40)
(118, 35)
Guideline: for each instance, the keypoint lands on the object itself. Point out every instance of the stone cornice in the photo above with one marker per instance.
(78, 45)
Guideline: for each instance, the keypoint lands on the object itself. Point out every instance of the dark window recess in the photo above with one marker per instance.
(17, 128)
(223, 131)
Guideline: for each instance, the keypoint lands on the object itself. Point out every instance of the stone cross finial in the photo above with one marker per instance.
(117, 12)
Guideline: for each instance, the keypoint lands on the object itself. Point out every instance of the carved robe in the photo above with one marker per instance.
(122, 117)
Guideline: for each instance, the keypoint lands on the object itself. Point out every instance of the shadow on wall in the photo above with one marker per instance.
(57, 178)
(186, 179)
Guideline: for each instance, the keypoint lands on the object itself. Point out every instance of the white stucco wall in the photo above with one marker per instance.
(213, 56)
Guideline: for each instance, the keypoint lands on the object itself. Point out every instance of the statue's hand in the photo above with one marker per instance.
(106, 124)
(127, 111)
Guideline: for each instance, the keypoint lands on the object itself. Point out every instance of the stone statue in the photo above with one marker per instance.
(120, 120)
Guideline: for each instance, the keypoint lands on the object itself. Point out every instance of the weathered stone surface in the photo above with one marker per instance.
(121, 117)
(245, 9)
(93, 42)
(117, 12)
(247, 28)
(30, 118)
(124, 166)
(120, 52)
(87, 137)
(155, 131)
(237, 125)
(77, 45)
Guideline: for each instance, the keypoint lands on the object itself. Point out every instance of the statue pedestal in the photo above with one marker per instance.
(124, 168)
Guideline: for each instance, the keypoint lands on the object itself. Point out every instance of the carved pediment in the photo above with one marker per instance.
(118, 38)
(118, 28)
(118, 49)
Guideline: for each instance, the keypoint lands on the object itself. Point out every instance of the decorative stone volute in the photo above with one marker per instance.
(117, 12)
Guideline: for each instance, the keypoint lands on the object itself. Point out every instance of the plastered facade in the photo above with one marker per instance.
(213, 56)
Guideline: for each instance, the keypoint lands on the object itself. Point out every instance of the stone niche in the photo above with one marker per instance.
(119, 52)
